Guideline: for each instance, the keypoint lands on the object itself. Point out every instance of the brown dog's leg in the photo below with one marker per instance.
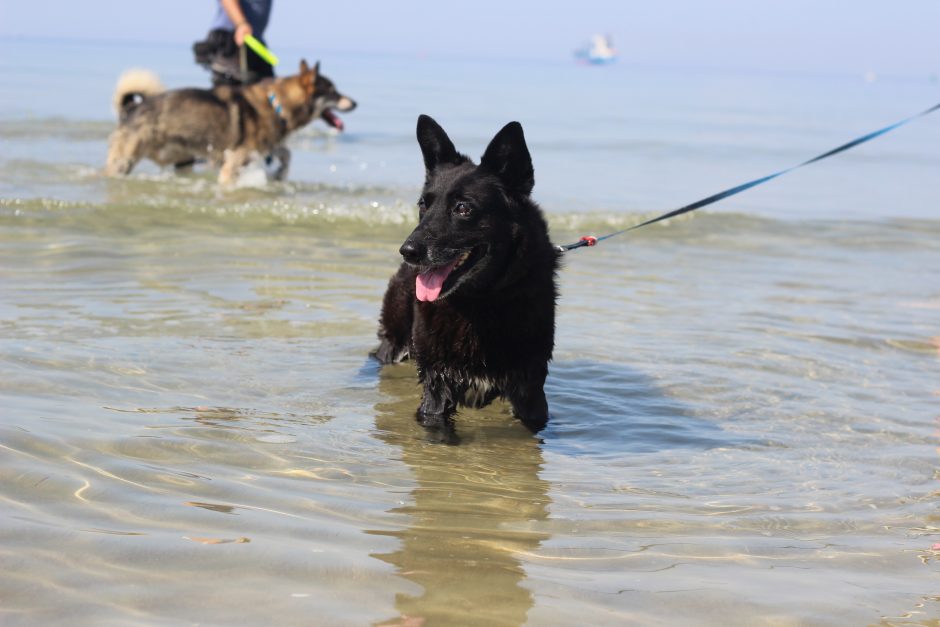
(282, 154)
(234, 160)
(122, 153)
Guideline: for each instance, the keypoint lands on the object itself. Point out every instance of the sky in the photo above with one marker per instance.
(889, 38)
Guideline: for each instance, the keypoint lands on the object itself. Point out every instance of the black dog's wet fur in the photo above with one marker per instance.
(491, 331)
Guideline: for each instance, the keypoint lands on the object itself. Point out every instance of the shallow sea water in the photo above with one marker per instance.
(744, 401)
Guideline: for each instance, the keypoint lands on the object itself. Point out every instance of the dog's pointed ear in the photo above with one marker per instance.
(435, 144)
(308, 76)
(508, 157)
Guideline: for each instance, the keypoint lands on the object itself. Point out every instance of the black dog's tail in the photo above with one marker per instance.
(133, 87)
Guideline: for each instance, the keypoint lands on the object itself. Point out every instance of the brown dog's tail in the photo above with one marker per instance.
(133, 87)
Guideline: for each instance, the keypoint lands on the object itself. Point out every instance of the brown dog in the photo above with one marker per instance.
(225, 125)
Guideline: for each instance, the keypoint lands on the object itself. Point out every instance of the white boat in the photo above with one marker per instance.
(600, 52)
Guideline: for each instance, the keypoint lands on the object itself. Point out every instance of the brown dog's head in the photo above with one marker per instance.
(328, 100)
(308, 95)
(292, 97)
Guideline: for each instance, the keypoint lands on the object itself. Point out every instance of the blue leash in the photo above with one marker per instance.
(591, 241)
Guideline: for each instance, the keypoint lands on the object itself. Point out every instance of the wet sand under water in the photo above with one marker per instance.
(192, 431)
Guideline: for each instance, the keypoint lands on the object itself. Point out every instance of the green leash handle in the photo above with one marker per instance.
(260, 50)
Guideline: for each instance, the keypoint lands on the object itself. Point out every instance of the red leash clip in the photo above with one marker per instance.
(589, 239)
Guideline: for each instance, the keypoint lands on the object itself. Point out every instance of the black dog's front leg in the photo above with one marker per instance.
(438, 404)
(397, 317)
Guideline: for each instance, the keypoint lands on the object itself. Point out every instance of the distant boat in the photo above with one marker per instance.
(600, 52)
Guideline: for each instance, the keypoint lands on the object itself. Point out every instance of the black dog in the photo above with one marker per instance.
(474, 301)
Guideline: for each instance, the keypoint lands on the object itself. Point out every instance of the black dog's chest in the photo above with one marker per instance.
(444, 334)
(480, 342)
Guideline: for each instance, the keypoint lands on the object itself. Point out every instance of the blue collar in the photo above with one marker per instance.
(272, 98)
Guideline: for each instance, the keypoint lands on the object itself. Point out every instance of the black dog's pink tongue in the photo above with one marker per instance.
(428, 284)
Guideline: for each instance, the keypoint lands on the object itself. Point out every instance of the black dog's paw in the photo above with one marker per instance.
(535, 423)
(387, 353)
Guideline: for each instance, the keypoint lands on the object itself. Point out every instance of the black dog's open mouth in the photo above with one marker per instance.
(431, 283)
(332, 119)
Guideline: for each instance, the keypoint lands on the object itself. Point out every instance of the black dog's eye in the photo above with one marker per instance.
(462, 208)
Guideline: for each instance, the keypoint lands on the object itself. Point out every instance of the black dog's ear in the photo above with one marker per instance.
(508, 157)
(435, 144)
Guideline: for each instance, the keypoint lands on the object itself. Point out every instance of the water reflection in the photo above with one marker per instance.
(474, 508)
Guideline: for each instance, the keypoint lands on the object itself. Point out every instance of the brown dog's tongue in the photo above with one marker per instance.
(333, 120)
(428, 284)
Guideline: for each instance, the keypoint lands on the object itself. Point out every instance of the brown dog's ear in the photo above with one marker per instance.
(308, 77)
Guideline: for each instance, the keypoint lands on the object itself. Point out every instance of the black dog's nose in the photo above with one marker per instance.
(413, 251)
